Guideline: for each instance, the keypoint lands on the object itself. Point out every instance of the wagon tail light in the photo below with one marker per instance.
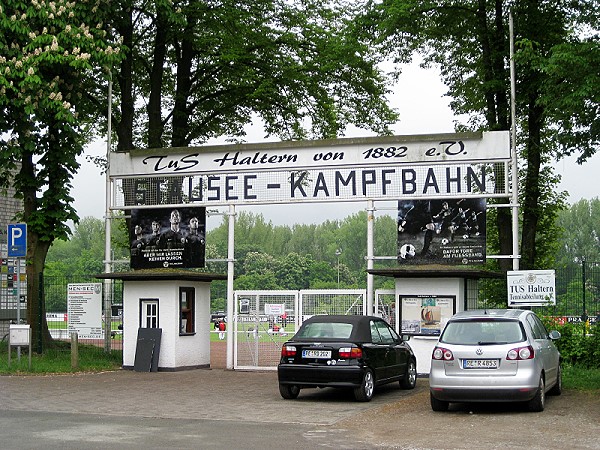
(350, 353)
(442, 354)
(288, 351)
(520, 353)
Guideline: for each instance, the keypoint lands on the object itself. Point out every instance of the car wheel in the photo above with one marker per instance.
(557, 388)
(537, 403)
(364, 392)
(289, 391)
(409, 381)
(438, 405)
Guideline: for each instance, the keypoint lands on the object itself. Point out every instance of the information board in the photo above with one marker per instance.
(84, 308)
(425, 315)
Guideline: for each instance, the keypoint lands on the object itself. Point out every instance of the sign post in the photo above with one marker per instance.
(17, 248)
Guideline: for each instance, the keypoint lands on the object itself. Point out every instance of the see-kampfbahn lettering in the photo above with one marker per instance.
(322, 185)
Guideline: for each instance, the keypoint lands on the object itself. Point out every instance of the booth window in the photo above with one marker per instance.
(149, 313)
(187, 300)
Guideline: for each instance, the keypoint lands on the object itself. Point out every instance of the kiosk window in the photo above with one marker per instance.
(187, 300)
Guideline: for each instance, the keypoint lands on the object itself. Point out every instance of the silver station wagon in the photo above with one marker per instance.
(503, 355)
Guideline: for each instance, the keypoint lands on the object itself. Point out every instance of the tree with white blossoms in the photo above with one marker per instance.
(52, 55)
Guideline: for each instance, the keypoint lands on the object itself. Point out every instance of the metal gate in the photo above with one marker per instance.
(264, 320)
(386, 307)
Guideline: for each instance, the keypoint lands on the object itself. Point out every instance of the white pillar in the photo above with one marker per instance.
(514, 161)
(370, 255)
(108, 284)
(230, 299)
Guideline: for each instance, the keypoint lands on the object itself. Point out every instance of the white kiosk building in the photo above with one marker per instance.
(427, 296)
(166, 316)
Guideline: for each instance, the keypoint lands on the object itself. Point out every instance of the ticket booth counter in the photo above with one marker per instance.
(426, 297)
(171, 310)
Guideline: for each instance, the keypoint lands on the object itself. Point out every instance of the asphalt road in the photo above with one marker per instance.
(190, 409)
(223, 409)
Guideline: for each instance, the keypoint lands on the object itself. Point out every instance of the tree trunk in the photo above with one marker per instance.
(36, 256)
(124, 126)
(531, 208)
(36, 305)
(181, 113)
(154, 109)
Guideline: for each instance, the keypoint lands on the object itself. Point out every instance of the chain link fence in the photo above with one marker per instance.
(577, 294)
(55, 298)
(577, 301)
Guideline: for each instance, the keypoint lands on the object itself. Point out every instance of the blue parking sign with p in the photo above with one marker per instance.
(17, 240)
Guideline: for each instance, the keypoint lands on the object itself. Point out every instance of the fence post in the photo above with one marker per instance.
(41, 309)
(74, 351)
(584, 316)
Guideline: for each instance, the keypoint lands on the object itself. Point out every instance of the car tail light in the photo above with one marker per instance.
(350, 352)
(440, 353)
(519, 353)
(288, 351)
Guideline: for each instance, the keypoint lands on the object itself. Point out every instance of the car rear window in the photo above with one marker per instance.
(335, 330)
(478, 332)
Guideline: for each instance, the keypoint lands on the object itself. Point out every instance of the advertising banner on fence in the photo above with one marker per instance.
(531, 288)
(168, 237)
(447, 231)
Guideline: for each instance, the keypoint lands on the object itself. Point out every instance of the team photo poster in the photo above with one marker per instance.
(446, 231)
(168, 237)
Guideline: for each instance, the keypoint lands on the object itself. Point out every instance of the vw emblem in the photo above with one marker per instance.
(479, 351)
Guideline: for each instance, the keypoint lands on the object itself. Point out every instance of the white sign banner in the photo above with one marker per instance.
(531, 288)
(294, 155)
(381, 182)
(84, 308)
(274, 309)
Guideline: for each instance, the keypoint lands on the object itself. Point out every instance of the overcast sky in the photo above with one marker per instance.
(418, 96)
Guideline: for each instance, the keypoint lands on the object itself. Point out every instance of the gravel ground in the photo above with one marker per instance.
(571, 420)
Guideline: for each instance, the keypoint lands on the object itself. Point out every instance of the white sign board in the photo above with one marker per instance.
(531, 288)
(457, 165)
(274, 309)
(295, 155)
(84, 308)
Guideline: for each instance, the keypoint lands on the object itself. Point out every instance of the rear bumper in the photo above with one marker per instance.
(320, 376)
(466, 394)
(483, 385)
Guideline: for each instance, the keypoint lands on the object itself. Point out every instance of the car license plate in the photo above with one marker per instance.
(480, 364)
(319, 354)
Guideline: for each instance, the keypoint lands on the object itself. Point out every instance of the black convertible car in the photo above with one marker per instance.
(357, 352)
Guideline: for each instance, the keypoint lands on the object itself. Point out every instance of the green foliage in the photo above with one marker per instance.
(557, 99)
(578, 344)
(302, 255)
(571, 94)
(203, 69)
(83, 253)
(50, 54)
(580, 233)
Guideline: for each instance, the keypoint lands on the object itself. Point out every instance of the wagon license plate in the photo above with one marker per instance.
(319, 354)
(480, 364)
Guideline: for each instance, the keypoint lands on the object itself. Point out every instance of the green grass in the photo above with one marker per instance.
(58, 360)
(581, 378)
